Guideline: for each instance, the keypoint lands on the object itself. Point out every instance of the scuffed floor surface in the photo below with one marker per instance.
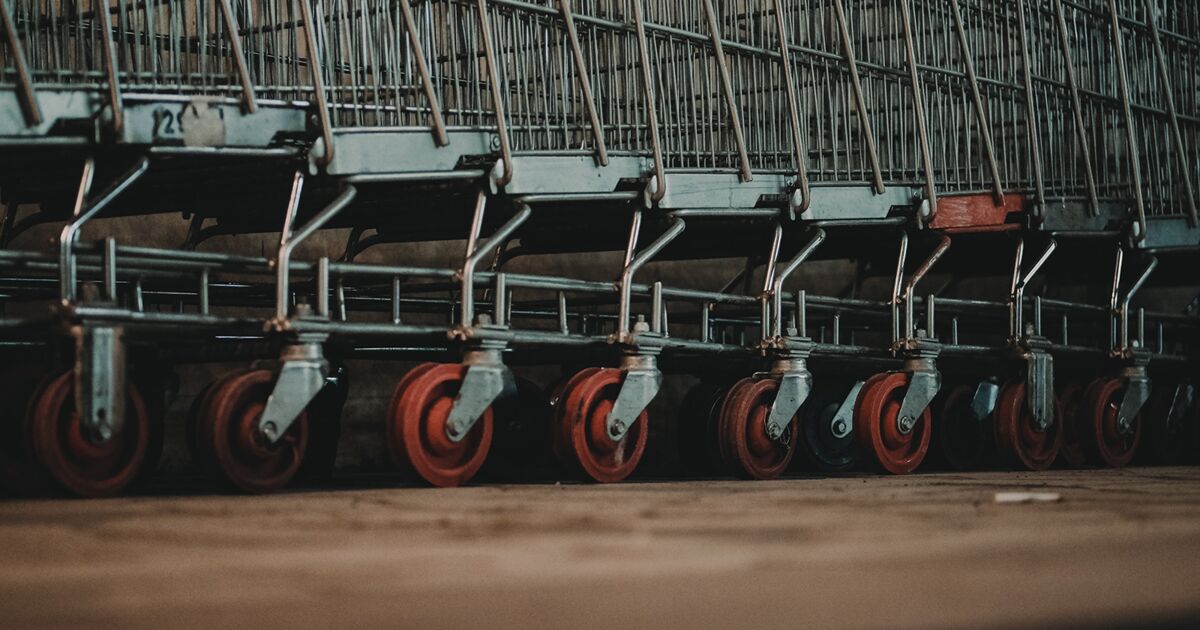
(924, 551)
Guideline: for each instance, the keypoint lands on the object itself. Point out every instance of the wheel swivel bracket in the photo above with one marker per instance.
(795, 384)
(487, 380)
(639, 387)
(302, 373)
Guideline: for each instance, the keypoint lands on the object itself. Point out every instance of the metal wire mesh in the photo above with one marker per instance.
(1083, 99)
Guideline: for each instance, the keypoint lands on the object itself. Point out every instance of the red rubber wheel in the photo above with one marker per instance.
(1071, 453)
(199, 448)
(876, 429)
(1016, 434)
(1102, 439)
(962, 441)
(561, 437)
(748, 451)
(74, 460)
(582, 440)
(238, 449)
(416, 427)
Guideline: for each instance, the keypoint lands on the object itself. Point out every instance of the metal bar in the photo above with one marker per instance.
(1135, 159)
(782, 275)
(585, 82)
(235, 41)
(314, 68)
(660, 188)
(110, 66)
(323, 286)
(802, 312)
(859, 101)
(501, 306)
(418, 55)
(769, 275)
(489, 56)
(656, 308)
(985, 131)
(1031, 113)
(793, 110)
(1113, 297)
(1137, 286)
(897, 283)
(396, 299)
(911, 285)
(636, 262)
(84, 213)
(477, 251)
(289, 240)
(735, 120)
(918, 100)
(1076, 107)
(204, 291)
(110, 268)
(26, 90)
(1185, 165)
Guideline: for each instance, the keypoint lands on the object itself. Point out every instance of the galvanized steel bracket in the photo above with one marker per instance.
(639, 387)
(302, 373)
(923, 386)
(487, 379)
(842, 423)
(924, 380)
(983, 403)
(1039, 388)
(100, 379)
(794, 388)
(1137, 392)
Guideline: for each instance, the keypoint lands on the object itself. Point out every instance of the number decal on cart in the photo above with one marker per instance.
(205, 121)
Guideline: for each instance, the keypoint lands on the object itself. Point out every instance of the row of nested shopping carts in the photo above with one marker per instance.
(1038, 157)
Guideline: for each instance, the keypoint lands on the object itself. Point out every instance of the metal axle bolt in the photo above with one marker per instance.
(270, 431)
(773, 431)
(906, 424)
(618, 429)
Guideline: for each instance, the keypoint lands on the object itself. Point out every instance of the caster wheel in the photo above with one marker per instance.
(199, 449)
(416, 427)
(581, 440)
(1017, 437)
(1103, 441)
(877, 430)
(962, 441)
(699, 415)
(73, 459)
(820, 443)
(229, 437)
(520, 430)
(1071, 454)
(745, 447)
(1166, 440)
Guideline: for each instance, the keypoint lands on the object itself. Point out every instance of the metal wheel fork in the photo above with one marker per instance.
(99, 350)
(919, 348)
(791, 350)
(642, 379)
(1027, 340)
(1138, 385)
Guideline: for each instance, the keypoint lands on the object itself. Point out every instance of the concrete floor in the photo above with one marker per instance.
(931, 550)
